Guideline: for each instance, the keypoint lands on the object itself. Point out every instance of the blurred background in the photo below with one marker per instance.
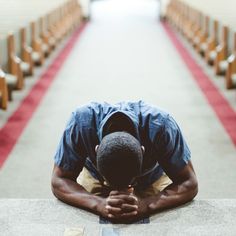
(59, 54)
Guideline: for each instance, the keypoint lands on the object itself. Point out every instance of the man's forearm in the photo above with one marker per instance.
(74, 194)
(172, 196)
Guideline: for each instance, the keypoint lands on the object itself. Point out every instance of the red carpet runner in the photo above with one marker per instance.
(16, 123)
(219, 104)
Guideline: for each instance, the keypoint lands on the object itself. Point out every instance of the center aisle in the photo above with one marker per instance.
(123, 54)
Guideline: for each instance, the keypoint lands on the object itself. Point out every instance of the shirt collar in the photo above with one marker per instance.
(129, 115)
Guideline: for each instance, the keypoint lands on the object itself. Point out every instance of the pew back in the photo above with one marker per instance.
(3, 53)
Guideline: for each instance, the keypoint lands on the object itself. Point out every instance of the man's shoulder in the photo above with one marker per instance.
(88, 109)
(98, 110)
(91, 114)
(158, 122)
(156, 115)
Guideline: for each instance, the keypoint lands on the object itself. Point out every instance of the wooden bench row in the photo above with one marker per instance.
(210, 38)
(22, 50)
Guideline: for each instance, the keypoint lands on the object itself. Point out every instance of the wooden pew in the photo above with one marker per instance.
(48, 35)
(169, 11)
(61, 22)
(188, 24)
(26, 50)
(231, 50)
(220, 62)
(191, 27)
(181, 16)
(21, 52)
(185, 19)
(14, 62)
(54, 28)
(175, 14)
(44, 36)
(212, 42)
(14, 78)
(3, 91)
(68, 20)
(15, 54)
(11, 82)
(230, 76)
(36, 44)
(196, 26)
(201, 42)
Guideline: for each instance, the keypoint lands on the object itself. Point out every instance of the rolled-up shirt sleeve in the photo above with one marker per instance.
(172, 149)
(70, 153)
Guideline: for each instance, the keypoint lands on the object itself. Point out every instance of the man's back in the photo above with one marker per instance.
(154, 128)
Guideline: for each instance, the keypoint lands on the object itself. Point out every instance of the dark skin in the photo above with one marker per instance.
(183, 189)
(124, 205)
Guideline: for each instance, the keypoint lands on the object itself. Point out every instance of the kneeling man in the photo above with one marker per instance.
(123, 161)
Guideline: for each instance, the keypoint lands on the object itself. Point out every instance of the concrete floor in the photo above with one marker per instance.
(123, 53)
(44, 217)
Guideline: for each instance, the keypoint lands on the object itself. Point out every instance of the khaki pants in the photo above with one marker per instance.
(94, 186)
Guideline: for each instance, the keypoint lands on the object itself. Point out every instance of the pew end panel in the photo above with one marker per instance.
(44, 36)
(3, 91)
(201, 44)
(212, 43)
(14, 62)
(36, 44)
(231, 72)
(230, 50)
(14, 81)
(26, 50)
(222, 52)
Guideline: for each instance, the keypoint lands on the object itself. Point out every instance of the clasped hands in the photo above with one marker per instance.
(125, 206)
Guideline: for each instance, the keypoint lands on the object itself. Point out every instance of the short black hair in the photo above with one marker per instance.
(119, 159)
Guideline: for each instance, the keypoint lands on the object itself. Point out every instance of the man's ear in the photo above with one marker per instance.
(96, 148)
(143, 149)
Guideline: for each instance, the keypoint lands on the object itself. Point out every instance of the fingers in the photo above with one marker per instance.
(126, 210)
(126, 198)
(127, 215)
(121, 205)
(129, 208)
(122, 210)
(114, 202)
(113, 210)
(114, 192)
(124, 191)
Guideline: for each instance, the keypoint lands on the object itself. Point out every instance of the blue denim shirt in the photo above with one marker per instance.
(165, 148)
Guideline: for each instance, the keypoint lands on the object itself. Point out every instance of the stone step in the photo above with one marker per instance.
(52, 217)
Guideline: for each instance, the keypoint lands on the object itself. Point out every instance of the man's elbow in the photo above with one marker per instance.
(54, 188)
(192, 189)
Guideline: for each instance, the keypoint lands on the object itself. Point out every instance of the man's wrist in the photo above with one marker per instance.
(151, 204)
(98, 205)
